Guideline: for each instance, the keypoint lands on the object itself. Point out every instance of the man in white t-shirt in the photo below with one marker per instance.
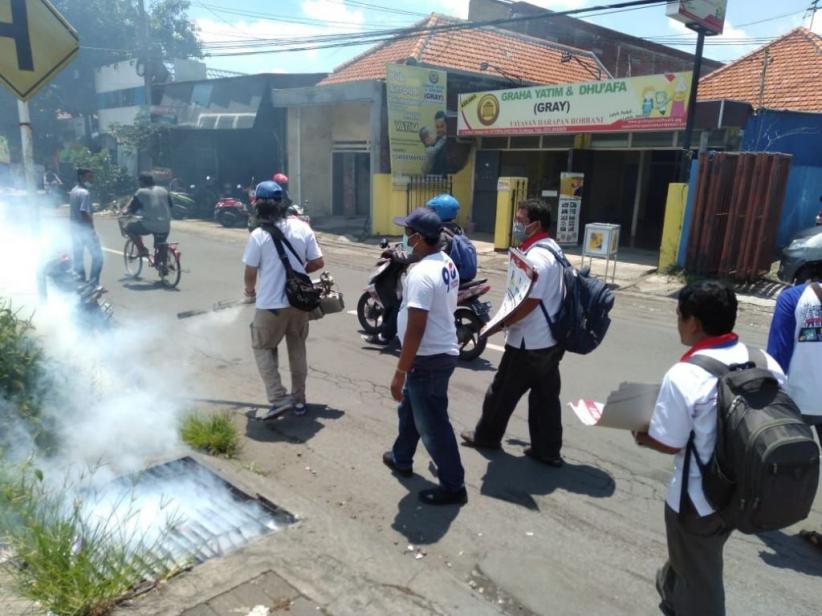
(275, 319)
(691, 582)
(531, 358)
(429, 355)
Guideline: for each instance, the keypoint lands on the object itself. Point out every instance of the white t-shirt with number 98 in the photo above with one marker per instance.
(432, 285)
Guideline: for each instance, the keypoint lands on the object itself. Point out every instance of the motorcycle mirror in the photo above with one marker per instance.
(383, 243)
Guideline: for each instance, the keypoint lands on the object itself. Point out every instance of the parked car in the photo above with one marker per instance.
(805, 248)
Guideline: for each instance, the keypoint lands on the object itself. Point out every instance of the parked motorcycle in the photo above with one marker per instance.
(91, 310)
(470, 316)
(182, 205)
(231, 211)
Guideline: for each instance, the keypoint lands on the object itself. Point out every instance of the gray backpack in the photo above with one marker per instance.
(764, 471)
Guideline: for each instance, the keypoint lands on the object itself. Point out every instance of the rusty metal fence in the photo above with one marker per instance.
(736, 214)
(421, 188)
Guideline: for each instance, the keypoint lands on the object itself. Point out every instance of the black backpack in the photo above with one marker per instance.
(300, 291)
(764, 471)
(582, 320)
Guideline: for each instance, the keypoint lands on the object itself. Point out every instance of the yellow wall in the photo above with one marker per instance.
(389, 199)
(672, 226)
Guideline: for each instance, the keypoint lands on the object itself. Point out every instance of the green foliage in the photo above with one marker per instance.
(110, 180)
(21, 363)
(67, 564)
(213, 434)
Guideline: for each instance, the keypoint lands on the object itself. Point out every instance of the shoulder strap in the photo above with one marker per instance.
(278, 244)
(690, 450)
(757, 357)
(817, 289)
(280, 239)
(560, 258)
(709, 364)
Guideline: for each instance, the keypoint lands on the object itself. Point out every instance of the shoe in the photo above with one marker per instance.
(556, 462)
(388, 460)
(664, 605)
(469, 438)
(375, 339)
(438, 496)
(275, 410)
(300, 409)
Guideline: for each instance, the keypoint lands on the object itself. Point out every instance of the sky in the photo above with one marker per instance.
(233, 20)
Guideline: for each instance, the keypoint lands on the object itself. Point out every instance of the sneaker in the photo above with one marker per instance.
(375, 339)
(388, 460)
(438, 496)
(300, 409)
(275, 410)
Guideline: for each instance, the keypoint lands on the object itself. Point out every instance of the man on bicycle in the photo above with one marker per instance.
(148, 213)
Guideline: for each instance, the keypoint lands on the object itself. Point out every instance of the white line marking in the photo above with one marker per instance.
(354, 312)
(114, 252)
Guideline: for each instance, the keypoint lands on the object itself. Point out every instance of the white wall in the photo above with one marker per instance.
(120, 76)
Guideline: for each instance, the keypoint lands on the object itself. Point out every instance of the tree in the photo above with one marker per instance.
(109, 32)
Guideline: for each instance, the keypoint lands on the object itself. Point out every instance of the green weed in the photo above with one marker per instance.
(213, 434)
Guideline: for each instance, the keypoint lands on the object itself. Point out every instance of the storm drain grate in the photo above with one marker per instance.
(183, 512)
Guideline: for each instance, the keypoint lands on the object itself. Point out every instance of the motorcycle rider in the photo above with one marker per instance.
(446, 207)
(148, 213)
(282, 180)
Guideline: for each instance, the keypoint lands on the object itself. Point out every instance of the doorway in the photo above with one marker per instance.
(351, 194)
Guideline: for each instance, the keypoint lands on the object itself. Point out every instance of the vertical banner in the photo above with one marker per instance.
(417, 126)
(570, 206)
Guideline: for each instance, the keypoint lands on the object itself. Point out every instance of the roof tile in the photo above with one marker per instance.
(792, 78)
(533, 60)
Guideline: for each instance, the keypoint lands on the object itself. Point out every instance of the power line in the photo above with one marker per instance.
(402, 33)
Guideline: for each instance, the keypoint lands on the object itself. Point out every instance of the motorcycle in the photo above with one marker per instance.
(231, 211)
(470, 316)
(182, 205)
(91, 310)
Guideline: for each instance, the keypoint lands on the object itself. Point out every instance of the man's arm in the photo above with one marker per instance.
(417, 320)
(527, 306)
(643, 439)
(783, 327)
(250, 281)
(314, 264)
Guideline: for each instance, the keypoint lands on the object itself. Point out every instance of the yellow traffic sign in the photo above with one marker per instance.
(36, 43)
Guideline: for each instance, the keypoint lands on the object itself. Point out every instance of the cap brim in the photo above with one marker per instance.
(401, 221)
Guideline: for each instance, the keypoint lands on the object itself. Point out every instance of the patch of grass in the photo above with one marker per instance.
(214, 434)
(253, 467)
(66, 563)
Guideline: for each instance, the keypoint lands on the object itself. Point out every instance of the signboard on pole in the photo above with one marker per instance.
(570, 206)
(417, 121)
(36, 43)
(520, 278)
(647, 103)
(708, 15)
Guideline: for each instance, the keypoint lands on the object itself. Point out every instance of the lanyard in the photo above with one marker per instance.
(714, 342)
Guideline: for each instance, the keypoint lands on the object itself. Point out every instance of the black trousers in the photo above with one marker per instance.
(521, 371)
(691, 582)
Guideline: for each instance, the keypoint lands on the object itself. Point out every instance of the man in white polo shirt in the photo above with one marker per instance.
(531, 358)
(691, 582)
(429, 355)
(274, 318)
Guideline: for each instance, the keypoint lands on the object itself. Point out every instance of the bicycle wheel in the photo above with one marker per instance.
(132, 260)
(171, 273)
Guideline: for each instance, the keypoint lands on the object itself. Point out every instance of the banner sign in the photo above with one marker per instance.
(706, 14)
(520, 277)
(417, 124)
(648, 103)
(570, 206)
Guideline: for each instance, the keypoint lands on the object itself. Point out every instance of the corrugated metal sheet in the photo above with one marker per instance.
(738, 203)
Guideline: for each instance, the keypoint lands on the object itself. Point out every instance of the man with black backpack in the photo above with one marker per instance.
(688, 422)
(281, 250)
(532, 353)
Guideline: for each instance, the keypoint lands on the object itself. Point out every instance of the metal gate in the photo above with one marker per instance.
(421, 188)
(736, 214)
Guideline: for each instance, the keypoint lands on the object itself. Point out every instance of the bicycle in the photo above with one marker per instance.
(170, 272)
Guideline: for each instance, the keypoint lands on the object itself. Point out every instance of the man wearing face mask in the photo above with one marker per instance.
(531, 359)
(428, 358)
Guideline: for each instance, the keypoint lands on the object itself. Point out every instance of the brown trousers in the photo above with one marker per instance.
(267, 331)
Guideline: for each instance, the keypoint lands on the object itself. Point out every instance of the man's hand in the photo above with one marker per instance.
(249, 296)
(397, 383)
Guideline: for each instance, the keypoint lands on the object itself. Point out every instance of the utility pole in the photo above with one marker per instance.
(813, 8)
(685, 164)
(145, 47)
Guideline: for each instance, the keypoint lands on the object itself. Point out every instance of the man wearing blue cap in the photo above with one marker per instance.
(427, 361)
(275, 319)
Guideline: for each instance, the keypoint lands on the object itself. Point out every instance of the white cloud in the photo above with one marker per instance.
(723, 53)
(454, 8)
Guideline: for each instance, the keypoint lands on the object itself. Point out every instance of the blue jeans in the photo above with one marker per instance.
(423, 414)
(85, 237)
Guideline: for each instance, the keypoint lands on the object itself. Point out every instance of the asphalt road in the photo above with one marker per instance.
(586, 539)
